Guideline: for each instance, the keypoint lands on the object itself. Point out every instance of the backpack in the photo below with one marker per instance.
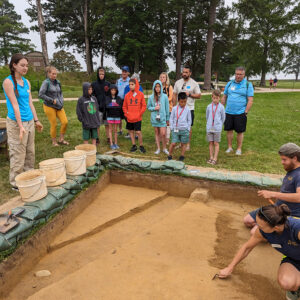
(48, 85)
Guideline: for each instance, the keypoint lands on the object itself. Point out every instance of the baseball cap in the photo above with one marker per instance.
(125, 68)
(289, 149)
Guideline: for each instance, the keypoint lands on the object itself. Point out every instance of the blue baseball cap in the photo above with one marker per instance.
(126, 68)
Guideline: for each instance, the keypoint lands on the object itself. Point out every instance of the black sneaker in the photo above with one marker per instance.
(181, 158)
(120, 132)
(97, 141)
(142, 149)
(15, 188)
(133, 148)
(136, 137)
(127, 136)
(170, 157)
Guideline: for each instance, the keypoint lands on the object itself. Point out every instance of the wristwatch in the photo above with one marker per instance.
(36, 121)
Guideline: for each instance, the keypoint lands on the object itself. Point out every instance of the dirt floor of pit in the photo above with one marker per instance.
(156, 247)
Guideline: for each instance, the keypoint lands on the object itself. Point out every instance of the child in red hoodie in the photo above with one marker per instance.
(134, 106)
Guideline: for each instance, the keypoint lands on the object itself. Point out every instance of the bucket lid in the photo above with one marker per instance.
(29, 175)
(86, 147)
(74, 153)
(53, 162)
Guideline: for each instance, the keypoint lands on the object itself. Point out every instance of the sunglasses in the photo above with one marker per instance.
(265, 217)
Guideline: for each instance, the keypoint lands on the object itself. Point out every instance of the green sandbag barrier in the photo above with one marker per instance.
(58, 192)
(31, 213)
(46, 204)
(71, 185)
(178, 167)
(78, 179)
(14, 234)
(4, 243)
(67, 199)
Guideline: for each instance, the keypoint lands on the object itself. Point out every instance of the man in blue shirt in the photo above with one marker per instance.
(122, 83)
(238, 94)
(290, 190)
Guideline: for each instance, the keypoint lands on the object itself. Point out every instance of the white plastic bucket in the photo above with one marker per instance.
(32, 185)
(75, 162)
(55, 171)
(90, 151)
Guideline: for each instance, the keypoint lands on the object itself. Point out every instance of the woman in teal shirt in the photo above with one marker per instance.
(158, 105)
(21, 117)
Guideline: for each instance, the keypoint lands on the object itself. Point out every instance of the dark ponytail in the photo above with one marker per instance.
(14, 60)
(274, 215)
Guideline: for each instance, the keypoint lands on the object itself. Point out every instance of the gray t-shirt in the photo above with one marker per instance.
(190, 86)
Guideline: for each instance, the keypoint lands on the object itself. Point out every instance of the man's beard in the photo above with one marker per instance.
(290, 167)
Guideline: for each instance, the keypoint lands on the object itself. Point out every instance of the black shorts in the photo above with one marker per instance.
(235, 122)
(137, 126)
(193, 117)
(295, 263)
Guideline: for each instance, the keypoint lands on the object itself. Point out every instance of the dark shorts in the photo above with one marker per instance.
(89, 134)
(295, 263)
(193, 117)
(253, 214)
(137, 126)
(235, 122)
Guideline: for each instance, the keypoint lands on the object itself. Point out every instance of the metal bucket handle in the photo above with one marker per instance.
(83, 161)
(34, 193)
(62, 173)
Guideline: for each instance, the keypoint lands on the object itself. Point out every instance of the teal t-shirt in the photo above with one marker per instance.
(23, 101)
(237, 94)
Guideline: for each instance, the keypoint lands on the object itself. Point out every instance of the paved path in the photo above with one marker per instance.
(257, 90)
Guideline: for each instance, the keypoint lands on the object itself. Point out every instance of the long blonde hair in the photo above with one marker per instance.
(167, 78)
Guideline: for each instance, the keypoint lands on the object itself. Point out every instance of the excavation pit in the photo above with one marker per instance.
(145, 236)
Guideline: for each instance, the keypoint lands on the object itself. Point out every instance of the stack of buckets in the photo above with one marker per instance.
(33, 184)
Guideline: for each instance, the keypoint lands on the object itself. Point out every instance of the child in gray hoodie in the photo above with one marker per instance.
(88, 114)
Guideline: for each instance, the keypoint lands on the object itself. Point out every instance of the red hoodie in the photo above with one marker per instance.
(134, 105)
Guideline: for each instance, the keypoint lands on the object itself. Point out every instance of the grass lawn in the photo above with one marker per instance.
(273, 121)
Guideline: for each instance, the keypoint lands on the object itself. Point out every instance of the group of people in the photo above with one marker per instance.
(104, 103)
(273, 82)
(278, 224)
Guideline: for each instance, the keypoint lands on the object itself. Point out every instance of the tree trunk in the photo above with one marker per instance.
(88, 52)
(102, 50)
(136, 64)
(179, 45)
(264, 66)
(209, 47)
(42, 32)
(161, 59)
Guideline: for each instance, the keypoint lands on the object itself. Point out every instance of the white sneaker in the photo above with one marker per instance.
(166, 151)
(238, 152)
(229, 150)
(157, 151)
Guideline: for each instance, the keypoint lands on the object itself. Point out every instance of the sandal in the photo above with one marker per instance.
(55, 145)
(213, 162)
(209, 161)
(63, 142)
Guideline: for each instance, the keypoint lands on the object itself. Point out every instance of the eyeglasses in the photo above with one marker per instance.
(266, 218)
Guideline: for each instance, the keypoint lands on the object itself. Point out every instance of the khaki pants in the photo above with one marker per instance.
(21, 153)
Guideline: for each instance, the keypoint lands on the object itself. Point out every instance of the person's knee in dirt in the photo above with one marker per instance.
(180, 124)
(275, 227)
(290, 189)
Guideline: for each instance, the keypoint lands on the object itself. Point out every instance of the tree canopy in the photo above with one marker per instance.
(11, 30)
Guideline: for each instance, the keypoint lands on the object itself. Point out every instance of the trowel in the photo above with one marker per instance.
(9, 221)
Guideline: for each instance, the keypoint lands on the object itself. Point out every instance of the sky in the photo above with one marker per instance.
(108, 61)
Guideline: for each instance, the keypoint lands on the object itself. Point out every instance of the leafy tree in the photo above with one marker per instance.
(267, 28)
(292, 61)
(74, 20)
(11, 29)
(65, 62)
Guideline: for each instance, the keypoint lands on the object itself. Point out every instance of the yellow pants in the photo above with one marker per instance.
(52, 114)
